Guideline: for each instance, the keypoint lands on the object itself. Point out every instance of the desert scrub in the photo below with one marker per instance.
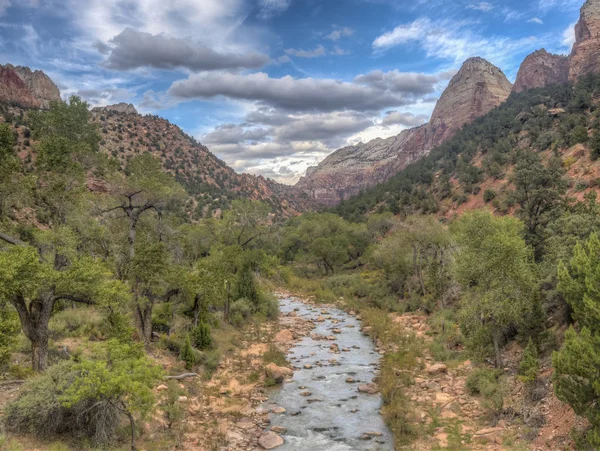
(489, 384)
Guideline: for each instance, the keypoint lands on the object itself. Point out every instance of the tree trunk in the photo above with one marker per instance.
(496, 340)
(143, 321)
(132, 234)
(39, 353)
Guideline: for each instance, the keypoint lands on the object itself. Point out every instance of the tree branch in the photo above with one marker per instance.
(77, 299)
(11, 240)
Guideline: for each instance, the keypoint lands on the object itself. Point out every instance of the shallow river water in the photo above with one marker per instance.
(335, 415)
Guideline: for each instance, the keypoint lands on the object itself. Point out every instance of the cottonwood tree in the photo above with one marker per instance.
(33, 282)
(493, 267)
(245, 222)
(147, 191)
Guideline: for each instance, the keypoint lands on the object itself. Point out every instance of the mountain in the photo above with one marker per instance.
(585, 56)
(542, 69)
(477, 88)
(125, 133)
(31, 89)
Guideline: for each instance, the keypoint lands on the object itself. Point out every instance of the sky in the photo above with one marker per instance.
(274, 86)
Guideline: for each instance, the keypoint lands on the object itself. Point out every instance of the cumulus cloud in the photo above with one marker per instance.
(294, 94)
(402, 82)
(108, 96)
(134, 49)
(235, 133)
(318, 51)
(339, 33)
(406, 119)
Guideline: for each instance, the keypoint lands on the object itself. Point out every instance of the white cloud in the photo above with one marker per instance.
(318, 51)
(339, 33)
(482, 6)
(455, 41)
(370, 92)
(270, 8)
(568, 36)
(4, 5)
(536, 20)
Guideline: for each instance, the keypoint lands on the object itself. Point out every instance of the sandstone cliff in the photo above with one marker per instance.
(585, 56)
(542, 69)
(122, 108)
(22, 86)
(476, 89)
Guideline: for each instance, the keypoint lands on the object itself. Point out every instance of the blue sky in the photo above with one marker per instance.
(273, 86)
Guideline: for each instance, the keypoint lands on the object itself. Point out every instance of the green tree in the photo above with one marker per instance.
(493, 268)
(186, 354)
(33, 286)
(540, 191)
(9, 328)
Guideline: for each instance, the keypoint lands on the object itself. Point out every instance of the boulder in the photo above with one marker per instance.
(284, 336)
(277, 373)
(438, 368)
(370, 388)
(270, 440)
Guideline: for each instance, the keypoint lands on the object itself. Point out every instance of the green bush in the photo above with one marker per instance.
(9, 328)
(201, 336)
(530, 365)
(187, 355)
(240, 311)
(489, 195)
(39, 409)
(274, 355)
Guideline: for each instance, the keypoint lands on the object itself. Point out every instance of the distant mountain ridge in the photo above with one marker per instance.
(475, 90)
(126, 133)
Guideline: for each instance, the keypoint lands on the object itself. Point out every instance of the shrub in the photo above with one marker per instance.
(201, 336)
(489, 195)
(487, 383)
(187, 354)
(240, 311)
(39, 409)
(530, 365)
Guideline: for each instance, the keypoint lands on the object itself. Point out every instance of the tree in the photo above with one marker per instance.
(34, 282)
(246, 221)
(147, 188)
(9, 328)
(540, 192)
(14, 187)
(493, 268)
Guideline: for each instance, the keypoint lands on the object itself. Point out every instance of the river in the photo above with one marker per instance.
(323, 410)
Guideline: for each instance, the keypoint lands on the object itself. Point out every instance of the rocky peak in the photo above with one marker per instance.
(477, 88)
(22, 86)
(542, 69)
(585, 56)
(40, 85)
(123, 108)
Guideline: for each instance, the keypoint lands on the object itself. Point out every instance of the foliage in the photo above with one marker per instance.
(87, 397)
(494, 269)
(577, 364)
(186, 354)
(201, 336)
(530, 365)
(9, 328)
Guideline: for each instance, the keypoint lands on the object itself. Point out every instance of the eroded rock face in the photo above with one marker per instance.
(542, 69)
(14, 90)
(475, 90)
(585, 56)
(123, 108)
(39, 84)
